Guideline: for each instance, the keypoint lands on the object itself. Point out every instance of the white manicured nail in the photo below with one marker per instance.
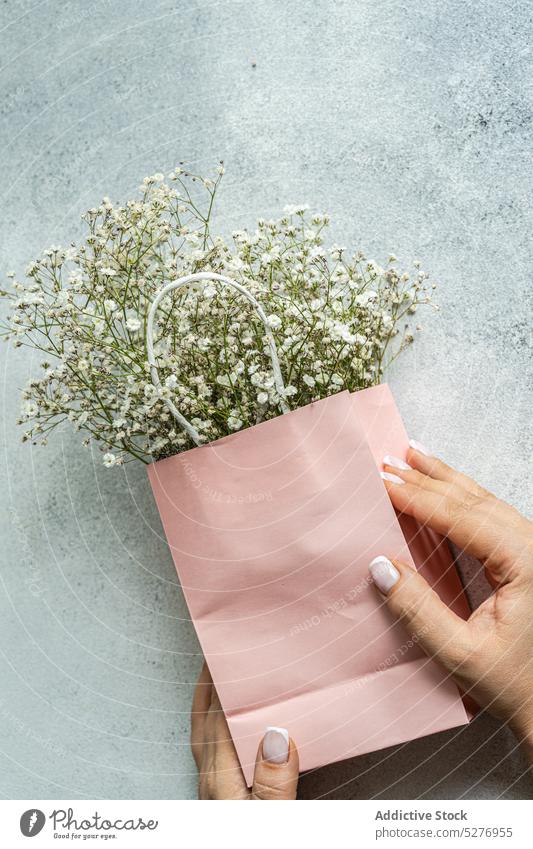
(395, 462)
(419, 447)
(391, 478)
(276, 745)
(383, 573)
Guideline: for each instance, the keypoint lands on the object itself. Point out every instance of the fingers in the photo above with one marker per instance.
(220, 775)
(440, 471)
(276, 767)
(460, 516)
(473, 519)
(219, 772)
(441, 633)
(200, 707)
(217, 735)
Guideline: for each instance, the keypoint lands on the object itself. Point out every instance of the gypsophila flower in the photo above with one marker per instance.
(274, 321)
(30, 410)
(337, 319)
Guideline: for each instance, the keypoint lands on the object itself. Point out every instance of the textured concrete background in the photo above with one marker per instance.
(410, 123)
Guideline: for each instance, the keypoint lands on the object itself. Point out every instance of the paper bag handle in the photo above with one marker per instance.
(226, 281)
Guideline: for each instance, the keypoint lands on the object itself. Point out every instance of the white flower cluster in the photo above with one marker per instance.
(337, 319)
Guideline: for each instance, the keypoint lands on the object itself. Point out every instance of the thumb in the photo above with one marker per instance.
(276, 766)
(440, 632)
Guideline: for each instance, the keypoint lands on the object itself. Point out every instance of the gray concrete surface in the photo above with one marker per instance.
(410, 123)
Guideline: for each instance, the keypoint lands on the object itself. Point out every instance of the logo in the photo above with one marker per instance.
(31, 822)
(65, 824)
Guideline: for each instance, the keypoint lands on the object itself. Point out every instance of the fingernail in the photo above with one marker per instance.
(276, 745)
(391, 478)
(419, 447)
(395, 462)
(383, 573)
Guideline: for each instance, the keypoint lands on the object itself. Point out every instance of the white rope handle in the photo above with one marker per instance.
(226, 281)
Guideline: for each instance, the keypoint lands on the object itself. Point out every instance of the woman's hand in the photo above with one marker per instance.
(220, 776)
(490, 655)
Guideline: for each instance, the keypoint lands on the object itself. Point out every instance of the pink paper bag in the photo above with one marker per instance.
(272, 530)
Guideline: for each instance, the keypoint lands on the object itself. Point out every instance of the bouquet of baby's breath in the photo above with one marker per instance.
(338, 319)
